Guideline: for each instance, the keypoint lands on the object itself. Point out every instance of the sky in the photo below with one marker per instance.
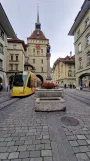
(56, 17)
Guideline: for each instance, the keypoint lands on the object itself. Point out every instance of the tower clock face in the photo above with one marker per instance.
(38, 47)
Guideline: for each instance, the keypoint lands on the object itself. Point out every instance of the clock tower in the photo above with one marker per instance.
(37, 50)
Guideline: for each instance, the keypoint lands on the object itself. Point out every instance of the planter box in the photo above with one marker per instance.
(49, 100)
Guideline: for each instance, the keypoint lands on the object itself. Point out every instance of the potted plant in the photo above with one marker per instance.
(48, 85)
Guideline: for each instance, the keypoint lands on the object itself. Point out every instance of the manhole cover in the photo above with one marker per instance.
(70, 121)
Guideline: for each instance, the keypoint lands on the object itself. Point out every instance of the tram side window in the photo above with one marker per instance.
(29, 83)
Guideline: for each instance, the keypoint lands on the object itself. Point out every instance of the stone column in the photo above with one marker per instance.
(48, 67)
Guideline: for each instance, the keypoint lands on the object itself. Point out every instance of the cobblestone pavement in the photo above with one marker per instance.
(29, 136)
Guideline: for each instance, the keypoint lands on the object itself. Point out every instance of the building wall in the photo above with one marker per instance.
(82, 68)
(38, 57)
(3, 41)
(61, 73)
(15, 49)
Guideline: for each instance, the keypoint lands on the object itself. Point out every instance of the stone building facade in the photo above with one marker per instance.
(81, 32)
(64, 71)
(15, 57)
(6, 31)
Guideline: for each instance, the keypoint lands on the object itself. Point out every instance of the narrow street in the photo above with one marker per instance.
(56, 136)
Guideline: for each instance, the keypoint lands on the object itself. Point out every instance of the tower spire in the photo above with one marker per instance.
(37, 24)
(38, 13)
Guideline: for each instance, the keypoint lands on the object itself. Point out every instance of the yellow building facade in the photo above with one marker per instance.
(81, 32)
(64, 71)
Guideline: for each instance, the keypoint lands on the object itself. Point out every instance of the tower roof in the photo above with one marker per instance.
(37, 35)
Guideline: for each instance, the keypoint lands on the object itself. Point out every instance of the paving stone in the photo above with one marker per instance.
(15, 160)
(21, 142)
(38, 137)
(31, 147)
(24, 154)
(45, 141)
(3, 143)
(47, 146)
(9, 139)
(16, 138)
(2, 139)
(83, 148)
(28, 142)
(34, 154)
(26, 159)
(74, 143)
(88, 141)
(12, 149)
(82, 142)
(11, 143)
(22, 148)
(76, 149)
(48, 159)
(4, 155)
(45, 136)
(46, 153)
(82, 156)
(32, 130)
(13, 155)
(36, 159)
(71, 138)
(81, 137)
(88, 153)
(40, 147)
(22, 138)
(3, 149)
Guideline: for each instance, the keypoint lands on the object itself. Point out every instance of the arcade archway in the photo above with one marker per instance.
(84, 79)
(40, 77)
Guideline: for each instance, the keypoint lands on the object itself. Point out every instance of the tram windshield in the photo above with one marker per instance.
(19, 80)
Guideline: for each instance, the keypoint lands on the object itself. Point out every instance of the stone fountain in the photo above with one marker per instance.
(49, 99)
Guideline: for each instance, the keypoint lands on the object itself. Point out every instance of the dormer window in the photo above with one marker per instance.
(87, 22)
(38, 35)
(78, 33)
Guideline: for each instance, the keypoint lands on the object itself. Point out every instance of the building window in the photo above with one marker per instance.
(11, 57)
(88, 59)
(16, 66)
(41, 69)
(11, 66)
(33, 50)
(1, 64)
(1, 33)
(79, 47)
(70, 66)
(41, 50)
(38, 52)
(42, 61)
(88, 40)
(80, 63)
(34, 61)
(1, 48)
(16, 57)
(14, 46)
(87, 22)
(69, 73)
(78, 33)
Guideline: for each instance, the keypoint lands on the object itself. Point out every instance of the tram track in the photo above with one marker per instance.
(79, 98)
(4, 104)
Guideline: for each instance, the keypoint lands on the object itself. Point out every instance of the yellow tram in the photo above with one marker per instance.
(25, 84)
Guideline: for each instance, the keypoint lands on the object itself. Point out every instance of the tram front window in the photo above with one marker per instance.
(19, 80)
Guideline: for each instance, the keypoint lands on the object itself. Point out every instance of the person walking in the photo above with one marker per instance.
(89, 85)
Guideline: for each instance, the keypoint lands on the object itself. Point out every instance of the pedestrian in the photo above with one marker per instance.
(65, 86)
(89, 85)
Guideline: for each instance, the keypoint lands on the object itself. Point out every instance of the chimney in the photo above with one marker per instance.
(70, 54)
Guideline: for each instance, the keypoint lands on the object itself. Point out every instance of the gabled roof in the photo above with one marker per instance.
(67, 59)
(5, 24)
(17, 41)
(34, 35)
(85, 7)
